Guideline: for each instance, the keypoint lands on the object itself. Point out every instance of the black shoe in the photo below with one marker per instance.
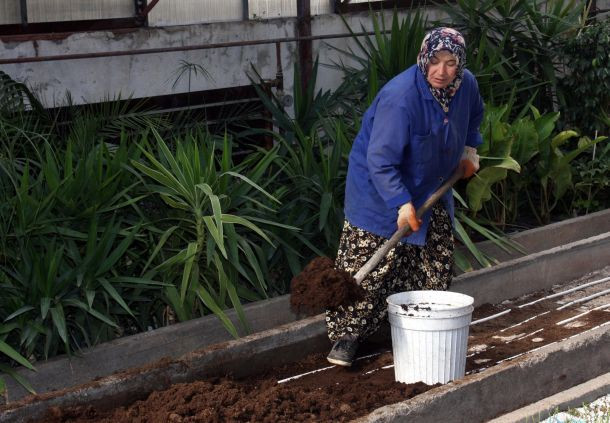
(343, 351)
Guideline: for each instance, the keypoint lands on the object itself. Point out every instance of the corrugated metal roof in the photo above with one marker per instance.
(9, 12)
(266, 9)
(180, 12)
(76, 10)
(166, 12)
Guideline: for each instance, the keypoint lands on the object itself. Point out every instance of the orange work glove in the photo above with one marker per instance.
(407, 216)
(469, 161)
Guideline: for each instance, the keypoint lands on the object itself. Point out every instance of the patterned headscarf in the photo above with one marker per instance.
(443, 39)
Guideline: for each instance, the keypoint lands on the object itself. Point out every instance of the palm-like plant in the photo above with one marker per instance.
(65, 253)
(513, 45)
(381, 56)
(216, 258)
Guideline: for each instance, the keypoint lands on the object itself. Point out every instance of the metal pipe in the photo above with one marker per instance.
(177, 48)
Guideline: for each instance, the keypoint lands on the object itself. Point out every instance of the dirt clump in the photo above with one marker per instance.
(332, 397)
(311, 390)
(320, 286)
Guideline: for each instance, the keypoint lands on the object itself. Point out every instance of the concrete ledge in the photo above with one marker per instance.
(510, 279)
(572, 398)
(483, 396)
(253, 353)
(549, 236)
(535, 271)
(294, 340)
(147, 347)
(476, 398)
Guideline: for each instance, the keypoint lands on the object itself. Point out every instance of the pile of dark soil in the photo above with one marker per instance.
(337, 396)
(313, 390)
(320, 286)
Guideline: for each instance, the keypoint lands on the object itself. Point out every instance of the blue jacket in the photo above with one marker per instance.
(406, 148)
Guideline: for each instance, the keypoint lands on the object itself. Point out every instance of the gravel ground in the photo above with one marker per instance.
(596, 412)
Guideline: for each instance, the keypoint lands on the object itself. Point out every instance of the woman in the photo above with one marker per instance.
(422, 125)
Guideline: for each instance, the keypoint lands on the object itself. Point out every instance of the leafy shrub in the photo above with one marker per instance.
(592, 181)
(587, 80)
(513, 46)
(525, 165)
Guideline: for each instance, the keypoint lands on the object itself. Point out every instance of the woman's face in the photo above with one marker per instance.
(442, 69)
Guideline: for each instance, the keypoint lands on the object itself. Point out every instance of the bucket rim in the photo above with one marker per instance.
(467, 301)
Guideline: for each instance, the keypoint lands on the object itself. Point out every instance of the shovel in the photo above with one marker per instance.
(406, 230)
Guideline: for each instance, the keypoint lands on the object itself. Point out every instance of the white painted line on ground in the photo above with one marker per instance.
(493, 316)
(524, 321)
(582, 300)
(582, 314)
(550, 343)
(524, 336)
(567, 291)
(327, 368)
(481, 351)
(305, 374)
(389, 366)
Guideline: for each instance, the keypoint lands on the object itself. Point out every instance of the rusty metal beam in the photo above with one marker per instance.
(305, 49)
(346, 7)
(178, 48)
(144, 13)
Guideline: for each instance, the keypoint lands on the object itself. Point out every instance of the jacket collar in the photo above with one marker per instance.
(422, 85)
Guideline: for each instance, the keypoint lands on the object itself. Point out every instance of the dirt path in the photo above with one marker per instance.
(333, 394)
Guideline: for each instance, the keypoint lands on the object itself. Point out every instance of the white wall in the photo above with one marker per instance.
(92, 80)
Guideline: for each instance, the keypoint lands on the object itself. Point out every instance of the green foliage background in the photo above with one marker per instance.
(114, 220)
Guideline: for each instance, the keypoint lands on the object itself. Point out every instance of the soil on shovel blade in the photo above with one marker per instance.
(320, 286)
(314, 390)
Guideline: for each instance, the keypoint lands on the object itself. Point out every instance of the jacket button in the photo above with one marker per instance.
(441, 179)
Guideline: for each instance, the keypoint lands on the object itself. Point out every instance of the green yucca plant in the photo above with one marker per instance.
(65, 253)
(513, 45)
(309, 105)
(381, 56)
(208, 247)
(311, 187)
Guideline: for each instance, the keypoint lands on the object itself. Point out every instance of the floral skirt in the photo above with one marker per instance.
(405, 268)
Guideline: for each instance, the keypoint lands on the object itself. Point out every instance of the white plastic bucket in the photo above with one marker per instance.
(429, 335)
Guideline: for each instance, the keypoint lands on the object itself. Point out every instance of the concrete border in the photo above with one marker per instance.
(515, 277)
(476, 397)
(571, 398)
(147, 347)
(536, 271)
(253, 353)
(550, 236)
(483, 396)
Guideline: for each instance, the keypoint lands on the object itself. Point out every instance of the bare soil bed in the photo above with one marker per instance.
(314, 390)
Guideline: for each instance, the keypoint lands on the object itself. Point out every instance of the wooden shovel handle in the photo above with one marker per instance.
(406, 230)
